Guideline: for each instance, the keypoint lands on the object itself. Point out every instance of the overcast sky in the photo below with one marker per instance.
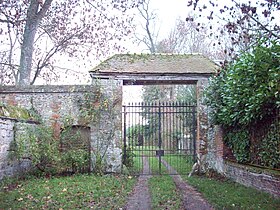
(167, 12)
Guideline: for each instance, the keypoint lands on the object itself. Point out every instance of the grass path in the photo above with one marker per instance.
(140, 198)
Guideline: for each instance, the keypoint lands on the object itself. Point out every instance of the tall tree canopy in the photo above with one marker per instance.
(34, 32)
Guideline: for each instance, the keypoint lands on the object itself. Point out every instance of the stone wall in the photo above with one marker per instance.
(250, 176)
(215, 149)
(107, 133)
(57, 103)
(10, 166)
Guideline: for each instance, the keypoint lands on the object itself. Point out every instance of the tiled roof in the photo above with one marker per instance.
(157, 63)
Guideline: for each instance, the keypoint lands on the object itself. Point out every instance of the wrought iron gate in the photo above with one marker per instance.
(159, 135)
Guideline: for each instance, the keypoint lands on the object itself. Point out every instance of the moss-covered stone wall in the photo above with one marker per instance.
(57, 104)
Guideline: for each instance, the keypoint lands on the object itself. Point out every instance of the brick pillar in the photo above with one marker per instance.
(55, 118)
(219, 142)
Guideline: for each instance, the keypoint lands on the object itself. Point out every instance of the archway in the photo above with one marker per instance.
(163, 69)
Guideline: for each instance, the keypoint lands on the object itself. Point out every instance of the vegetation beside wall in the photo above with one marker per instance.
(245, 98)
(39, 145)
(17, 112)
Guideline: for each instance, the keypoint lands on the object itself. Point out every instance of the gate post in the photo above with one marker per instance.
(194, 127)
(124, 135)
(159, 134)
(202, 117)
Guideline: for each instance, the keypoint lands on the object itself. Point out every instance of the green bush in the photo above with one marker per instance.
(76, 160)
(247, 92)
(38, 144)
(127, 159)
(248, 89)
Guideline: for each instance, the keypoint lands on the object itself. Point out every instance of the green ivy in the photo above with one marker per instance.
(270, 147)
(239, 142)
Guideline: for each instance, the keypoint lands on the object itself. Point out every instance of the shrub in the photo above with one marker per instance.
(245, 93)
(248, 89)
(38, 144)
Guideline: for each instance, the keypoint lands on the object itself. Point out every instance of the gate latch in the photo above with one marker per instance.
(159, 153)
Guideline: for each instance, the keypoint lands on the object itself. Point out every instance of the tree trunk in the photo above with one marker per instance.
(33, 18)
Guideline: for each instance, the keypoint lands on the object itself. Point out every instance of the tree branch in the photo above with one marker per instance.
(258, 22)
(6, 21)
(95, 7)
(144, 12)
(43, 63)
(44, 9)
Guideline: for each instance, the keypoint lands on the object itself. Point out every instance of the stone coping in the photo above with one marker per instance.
(47, 89)
(255, 169)
(20, 120)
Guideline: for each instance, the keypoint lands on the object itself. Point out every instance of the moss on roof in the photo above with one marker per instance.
(157, 63)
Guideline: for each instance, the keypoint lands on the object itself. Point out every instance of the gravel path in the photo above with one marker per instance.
(140, 198)
(192, 200)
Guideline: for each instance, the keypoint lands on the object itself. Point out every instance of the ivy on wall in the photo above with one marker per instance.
(247, 92)
(270, 147)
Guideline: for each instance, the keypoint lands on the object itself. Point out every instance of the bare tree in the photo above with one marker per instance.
(35, 32)
(242, 22)
(185, 37)
(149, 38)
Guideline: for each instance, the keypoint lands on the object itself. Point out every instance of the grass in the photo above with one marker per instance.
(150, 152)
(182, 164)
(163, 190)
(164, 193)
(79, 191)
(221, 193)
(154, 166)
(137, 166)
(226, 194)
(110, 192)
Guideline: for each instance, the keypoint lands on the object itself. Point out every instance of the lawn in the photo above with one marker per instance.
(226, 194)
(111, 192)
(175, 159)
(79, 191)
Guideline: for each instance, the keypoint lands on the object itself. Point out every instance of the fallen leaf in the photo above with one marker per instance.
(30, 197)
